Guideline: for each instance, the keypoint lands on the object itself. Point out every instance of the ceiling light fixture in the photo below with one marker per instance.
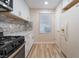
(46, 3)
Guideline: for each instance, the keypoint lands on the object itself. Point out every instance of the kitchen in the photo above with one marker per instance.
(28, 24)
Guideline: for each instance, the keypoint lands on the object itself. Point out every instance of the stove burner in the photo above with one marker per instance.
(9, 44)
(1, 43)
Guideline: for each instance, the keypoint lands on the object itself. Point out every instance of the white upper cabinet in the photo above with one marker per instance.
(21, 9)
(66, 2)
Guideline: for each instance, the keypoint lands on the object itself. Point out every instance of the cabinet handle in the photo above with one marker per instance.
(66, 32)
(19, 13)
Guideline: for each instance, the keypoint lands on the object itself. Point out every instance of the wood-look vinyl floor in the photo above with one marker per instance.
(44, 51)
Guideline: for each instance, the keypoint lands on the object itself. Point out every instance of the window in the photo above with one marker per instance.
(45, 22)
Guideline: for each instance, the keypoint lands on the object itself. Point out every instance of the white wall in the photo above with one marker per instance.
(36, 28)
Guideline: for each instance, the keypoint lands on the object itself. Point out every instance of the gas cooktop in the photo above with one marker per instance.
(9, 43)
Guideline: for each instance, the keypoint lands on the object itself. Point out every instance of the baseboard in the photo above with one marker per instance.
(44, 43)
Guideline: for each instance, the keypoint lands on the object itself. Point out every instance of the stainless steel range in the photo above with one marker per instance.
(9, 44)
(6, 5)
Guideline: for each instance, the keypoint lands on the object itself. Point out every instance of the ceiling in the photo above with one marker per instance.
(52, 4)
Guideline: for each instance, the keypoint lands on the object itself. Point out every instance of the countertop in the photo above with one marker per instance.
(24, 33)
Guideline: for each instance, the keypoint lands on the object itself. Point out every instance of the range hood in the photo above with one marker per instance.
(6, 7)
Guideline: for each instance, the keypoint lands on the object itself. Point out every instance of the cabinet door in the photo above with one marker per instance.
(15, 8)
(29, 43)
(73, 17)
(26, 45)
(71, 45)
(20, 9)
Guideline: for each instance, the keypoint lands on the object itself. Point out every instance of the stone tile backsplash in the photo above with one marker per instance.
(13, 25)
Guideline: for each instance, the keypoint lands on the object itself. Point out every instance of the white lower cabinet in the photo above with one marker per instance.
(28, 43)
